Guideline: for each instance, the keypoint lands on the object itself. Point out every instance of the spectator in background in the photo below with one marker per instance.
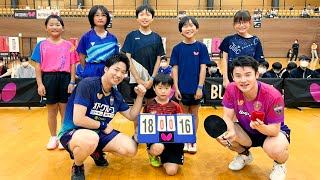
(289, 54)
(305, 13)
(213, 70)
(291, 7)
(164, 67)
(302, 71)
(314, 54)
(4, 71)
(316, 10)
(295, 50)
(309, 7)
(263, 67)
(274, 72)
(285, 73)
(25, 70)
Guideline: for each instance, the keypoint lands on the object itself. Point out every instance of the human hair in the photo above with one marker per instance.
(94, 10)
(24, 58)
(291, 65)
(276, 65)
(143, 7)
(304, 57)
(163, 57)
(241, 15)
(1, 58)
(212, 64)
(245, 61)
(164, 79)
(265, 63)
(118, 57)
(185, 20)
(53, 16)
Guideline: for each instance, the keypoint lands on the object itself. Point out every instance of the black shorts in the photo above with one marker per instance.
(104, 139)
(56, 84)
(150, 94)
(258, 139)
(172, 153)
(188, 100)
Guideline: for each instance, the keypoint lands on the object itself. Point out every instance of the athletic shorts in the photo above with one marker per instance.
(172, 153)
(258, 139)
(149, 94)
(56, 84)
(188, 100)
(93, 69)
(104, 139)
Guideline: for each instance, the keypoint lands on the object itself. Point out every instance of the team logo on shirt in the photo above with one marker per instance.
(196, 53)
(99, 96)
(278, 109)
(240, 102)
(92, 43)
(257, 105)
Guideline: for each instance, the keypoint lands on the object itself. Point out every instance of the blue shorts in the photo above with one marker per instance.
(93, 69)
(172, 153)
(104, 139)
(258, 139)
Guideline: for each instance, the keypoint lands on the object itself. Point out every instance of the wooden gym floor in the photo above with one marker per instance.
(24, 134)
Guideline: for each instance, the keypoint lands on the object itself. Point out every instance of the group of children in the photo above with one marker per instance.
(95, 100)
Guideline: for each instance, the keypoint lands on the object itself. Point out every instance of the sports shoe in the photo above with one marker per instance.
(192, 148)
(186, 147)
(53, 143)
(278, 171)
(154, 161)
(77, 172)
(240, 161)
(60, 147)
(98, 157)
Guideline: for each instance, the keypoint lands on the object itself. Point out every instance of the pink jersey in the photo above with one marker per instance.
(269, 100)
(55, 57)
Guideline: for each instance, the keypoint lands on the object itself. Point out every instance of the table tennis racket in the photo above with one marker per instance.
(215, 126)
(257, 115)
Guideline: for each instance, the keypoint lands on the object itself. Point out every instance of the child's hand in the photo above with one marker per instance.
(41, 90)
(198, 94)
(177, 94)
(70, 88)
(225, 82)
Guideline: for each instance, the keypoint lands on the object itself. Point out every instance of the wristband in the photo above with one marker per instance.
(200, 87)
(103, 125)
(152, 77)
(73, 83)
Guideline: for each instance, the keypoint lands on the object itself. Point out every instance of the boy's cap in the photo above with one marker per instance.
(304, 57)
(213, 63)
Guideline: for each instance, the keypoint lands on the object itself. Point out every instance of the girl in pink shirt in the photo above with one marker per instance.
(55, 73)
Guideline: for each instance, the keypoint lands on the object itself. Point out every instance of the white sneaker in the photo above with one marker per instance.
(53, 143)
(186, 147)
(60, 147)
(240, 161)
(278, 171)
(192, 148)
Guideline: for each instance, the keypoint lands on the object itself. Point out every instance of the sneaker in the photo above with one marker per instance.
(53, 143)
(154, 161)
(186, 147)
(77, 172)
(98, 157)
(240, 161)
(278, 171)
(192, 148)
(60, 147)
